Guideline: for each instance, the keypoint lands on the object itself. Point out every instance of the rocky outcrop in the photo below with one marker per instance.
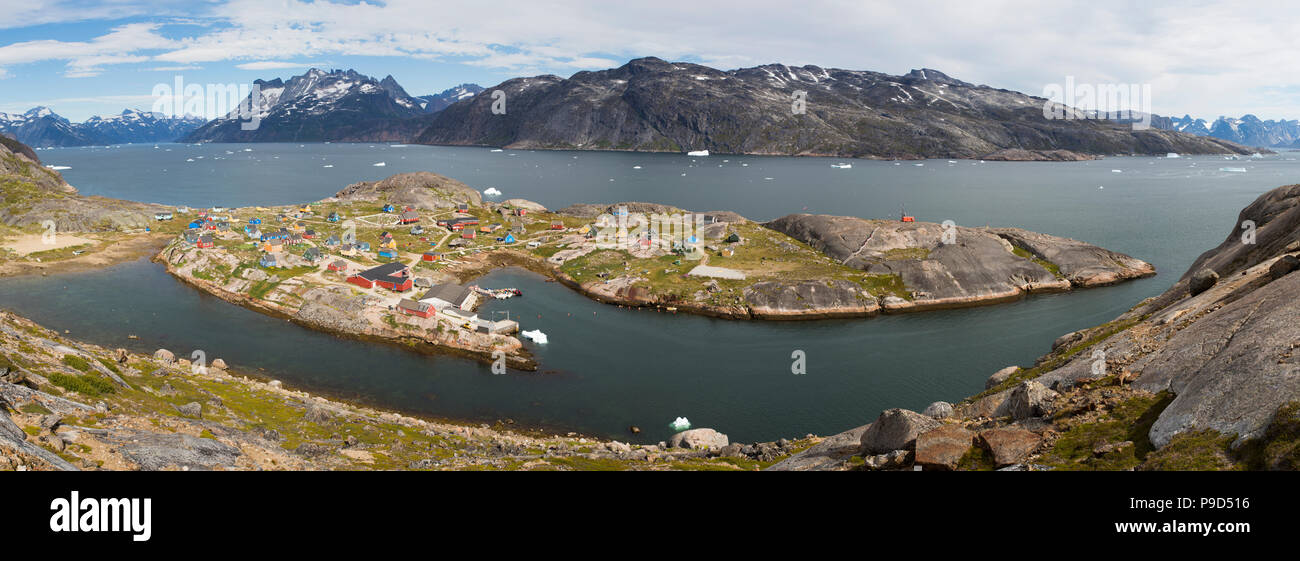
(943, 447)
(831, 298)
(896, 429)
(33, 194)
(708, 439)
(948, 266)
(1020, 155)
(421, 190)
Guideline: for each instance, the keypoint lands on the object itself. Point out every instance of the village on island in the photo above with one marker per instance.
(395, 259)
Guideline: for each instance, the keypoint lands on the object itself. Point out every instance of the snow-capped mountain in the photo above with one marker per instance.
(41, 127)
(438, 102)
(1248, 129)
(320, 106)
(133, 125)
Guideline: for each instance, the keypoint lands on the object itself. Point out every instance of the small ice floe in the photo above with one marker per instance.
(636, 167)
(328, 166)
(1172, 155)
(500, 150)
(698, 153)
(58, 168)
(918, 165)
(397, 145)
(1101, 186)
(767, 179)
(492, 192)
(250, 149)
(1233, 170)
(680, 424)
(535, 336)
(683, 175)
(379, 164)
(744, 165)
(1117, 171)
(952, 161)
(189, 159)
(842, 166)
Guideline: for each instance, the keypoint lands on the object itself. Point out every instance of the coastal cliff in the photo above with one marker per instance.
(1203, 376)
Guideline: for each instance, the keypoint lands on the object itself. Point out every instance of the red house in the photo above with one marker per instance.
(468, 235)
(393, 276)
(338, 266)
(414, 308)
(205, 241)
(409, 217)
(431, 256)
(557, 225)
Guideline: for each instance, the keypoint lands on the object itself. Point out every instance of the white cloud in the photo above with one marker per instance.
(276, 65)
(1202, 57)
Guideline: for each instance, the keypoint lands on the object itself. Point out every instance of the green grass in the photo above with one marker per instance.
(1130, 420)
(86, 385)
(76, 362)
(1206, 450)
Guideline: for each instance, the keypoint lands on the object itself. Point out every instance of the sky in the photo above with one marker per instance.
(1199, 57)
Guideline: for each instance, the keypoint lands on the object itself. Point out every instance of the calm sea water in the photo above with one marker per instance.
(607, 368)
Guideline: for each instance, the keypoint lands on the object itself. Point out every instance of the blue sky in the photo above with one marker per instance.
(1200, 57)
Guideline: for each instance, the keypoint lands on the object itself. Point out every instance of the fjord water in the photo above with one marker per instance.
(606, 368)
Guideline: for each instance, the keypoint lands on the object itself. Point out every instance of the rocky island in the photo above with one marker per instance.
(324, 264)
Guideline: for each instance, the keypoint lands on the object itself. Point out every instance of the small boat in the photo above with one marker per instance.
(535, 336)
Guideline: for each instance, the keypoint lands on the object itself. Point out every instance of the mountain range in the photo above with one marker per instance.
(40, 127)
(335, 105)
(655, 105)
(1248, 130)
(649, 104)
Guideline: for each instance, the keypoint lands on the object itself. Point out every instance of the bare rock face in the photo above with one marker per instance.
(421, 190)
(699, 439)
(950, 265)
(819, 298)
(943, 447)
(525, 204)
(831, 453)
(896, 429)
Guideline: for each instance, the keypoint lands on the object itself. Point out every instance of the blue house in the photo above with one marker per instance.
(195, 225)
(268, 260)
(389, 208)
(388, 254)
(363, 246)
(510, 238)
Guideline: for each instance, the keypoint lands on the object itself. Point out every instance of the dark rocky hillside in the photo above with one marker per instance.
(650, 104)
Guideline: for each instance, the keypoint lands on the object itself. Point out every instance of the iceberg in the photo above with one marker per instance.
(380, 164)
(1233, 170)
(492, 192)
(535, 336)
(698, 153)
(680, 424)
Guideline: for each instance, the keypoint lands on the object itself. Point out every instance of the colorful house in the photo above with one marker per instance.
(338, 265)
(394, 276)
(387, 254)
(431, 256)
(468, 235)
(409, 217)
(205, 240)
(415, 308)
(388, 208)
(510, 238)
(333, 217)
(269, 260)
(462, 208)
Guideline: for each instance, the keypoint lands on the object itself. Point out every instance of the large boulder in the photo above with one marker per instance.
(943, 447)
(1283, 266)
(938, 410)
(1029, 399)
(699, 439)
(1202, 281)
(1009, 445)
(1000, 376)
(164, 356)
(896, 429)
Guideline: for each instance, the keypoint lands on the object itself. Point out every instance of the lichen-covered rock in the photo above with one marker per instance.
(1029, 399)
(1009, 446)
(943, 447)
(938, 410)
(1000, 376)
(164, 356)
(1202, 281)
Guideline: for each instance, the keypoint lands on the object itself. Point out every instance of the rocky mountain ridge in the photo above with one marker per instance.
(43, 128)
(650, 104)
